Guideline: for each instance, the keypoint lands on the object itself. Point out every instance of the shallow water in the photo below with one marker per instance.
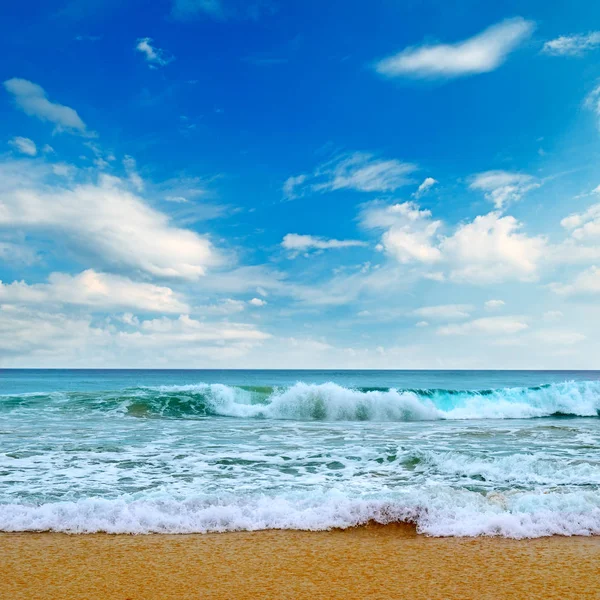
(458, 453)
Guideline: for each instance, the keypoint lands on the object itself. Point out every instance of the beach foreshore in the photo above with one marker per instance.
(374, 561)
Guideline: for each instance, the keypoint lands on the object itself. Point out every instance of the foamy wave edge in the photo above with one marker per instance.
(332, 402)
(448, 513)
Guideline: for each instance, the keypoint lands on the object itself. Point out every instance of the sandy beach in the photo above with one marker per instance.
(367, 562)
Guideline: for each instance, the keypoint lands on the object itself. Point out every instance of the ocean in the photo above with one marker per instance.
(458, 453)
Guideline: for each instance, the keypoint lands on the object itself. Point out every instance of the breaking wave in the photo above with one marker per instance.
(439, 512)
(328, 402)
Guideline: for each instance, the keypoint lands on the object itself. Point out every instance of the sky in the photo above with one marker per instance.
(286, 184)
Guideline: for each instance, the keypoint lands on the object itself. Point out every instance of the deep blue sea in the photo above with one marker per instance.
(509, 453)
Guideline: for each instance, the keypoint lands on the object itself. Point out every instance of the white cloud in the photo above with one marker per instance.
(487, 326)
(572, 45)
(489, 249)
(290, 185)
(585, 225)
(503, 187)
(24, 145)
(359, 171)
(31, 99)
(155, 57)
(410, 232)
(257, 302)
(105, 219)
(592, 101)
(227, 306)
(559, 337)
(188, 330)
(494, 304)
(427, 184)
(54, 339)
(492, 249)
(296, 243)
(131, 170)
(422, 324)
(586, 282)
(481, 53)
(101, 291)
(444, 311)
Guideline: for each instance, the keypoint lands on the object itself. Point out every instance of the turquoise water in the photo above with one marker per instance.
(459, 453)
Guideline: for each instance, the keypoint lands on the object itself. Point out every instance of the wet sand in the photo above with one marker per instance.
(367, 562)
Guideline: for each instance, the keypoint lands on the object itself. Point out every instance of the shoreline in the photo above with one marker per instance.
(372, 561)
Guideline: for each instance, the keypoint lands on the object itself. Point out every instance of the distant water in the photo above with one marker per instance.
(514, 454)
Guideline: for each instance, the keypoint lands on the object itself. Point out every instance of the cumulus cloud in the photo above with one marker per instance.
(586, 282)
(155, 57)
(491, 248)
(410, 233)
(427, 184)
(104, 218)
(585, 225)
(296, 243)
(32, 100)
(481, 53)
(257, 302)
(502, 187)
(359, 171)
(44, 338)
(24, 145)
(486, 326)
(101, 291)
(572, 45)
(444, 311)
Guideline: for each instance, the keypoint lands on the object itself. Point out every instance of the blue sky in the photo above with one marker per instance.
(217, 183)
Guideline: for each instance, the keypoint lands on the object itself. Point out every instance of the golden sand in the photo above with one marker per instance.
(369, 562)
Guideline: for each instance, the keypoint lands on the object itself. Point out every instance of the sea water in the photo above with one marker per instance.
(460, 453)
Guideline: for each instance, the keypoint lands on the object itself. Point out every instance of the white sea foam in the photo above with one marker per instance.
(332, 402)
(437, 512)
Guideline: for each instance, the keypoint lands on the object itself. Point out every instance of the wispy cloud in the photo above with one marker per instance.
(503, 187)
(481, 53)
(24, 145)
(592, 102)
(184, 9)
(427, 184)
(359, 171)
(297, 244)
(104, 218)
(155, 57)
(494, 304)
(221, 10)
(486, 325)
(31, 99)
(96, 290)
(572, 45)
(444, 311)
